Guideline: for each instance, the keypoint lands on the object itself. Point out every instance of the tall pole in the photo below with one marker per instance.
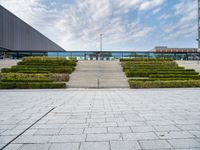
(101, 45)
(101, 42)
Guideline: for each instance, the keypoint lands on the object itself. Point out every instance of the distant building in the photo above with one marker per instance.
(165, 49)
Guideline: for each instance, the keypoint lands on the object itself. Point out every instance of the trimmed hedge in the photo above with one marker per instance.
(150, 63)
(31, 85)
(15, 80)
(43, 68)
(152, 68)
(145, 59)
(70, 63)
(164, 84)
(151, 73)
(37, 70)
(21, 76)
(163, 79)
(17, 77)
(47, 61)
(175, 76)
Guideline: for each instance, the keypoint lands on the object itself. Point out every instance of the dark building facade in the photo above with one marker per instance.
(16, 35)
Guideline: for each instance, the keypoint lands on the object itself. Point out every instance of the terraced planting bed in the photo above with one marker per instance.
(37, 73)
(158, 73)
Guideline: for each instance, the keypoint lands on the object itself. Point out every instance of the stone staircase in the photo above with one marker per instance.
(98, 74)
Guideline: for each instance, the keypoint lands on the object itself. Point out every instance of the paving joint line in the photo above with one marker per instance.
(27, 128)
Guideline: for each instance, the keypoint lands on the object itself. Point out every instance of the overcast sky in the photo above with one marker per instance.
(125, 24)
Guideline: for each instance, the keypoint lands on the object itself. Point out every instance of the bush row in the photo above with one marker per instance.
(49, 59)
(31, 85)
(159, 70)
(175, 76)
(158, 73)
(145, 59)
(19, 67)
(37, 70)
(149, 65)
(41, 66)
(163, 79)
(153, 68)
(164, 84)
(36, 63)
(17, 77)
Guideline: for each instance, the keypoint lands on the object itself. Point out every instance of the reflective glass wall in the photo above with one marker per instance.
(85, 55)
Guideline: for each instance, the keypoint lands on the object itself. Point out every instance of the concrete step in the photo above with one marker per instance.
(98, 74)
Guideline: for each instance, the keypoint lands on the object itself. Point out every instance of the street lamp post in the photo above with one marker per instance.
(101, 45)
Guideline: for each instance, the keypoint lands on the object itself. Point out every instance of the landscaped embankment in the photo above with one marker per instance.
(158, 73)
(37, 73)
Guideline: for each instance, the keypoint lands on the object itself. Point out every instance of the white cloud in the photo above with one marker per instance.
(77, 25)
(185, 23)
(150, 4)
(164, 17)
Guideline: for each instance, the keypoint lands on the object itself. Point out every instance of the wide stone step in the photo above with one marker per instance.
(98, 74)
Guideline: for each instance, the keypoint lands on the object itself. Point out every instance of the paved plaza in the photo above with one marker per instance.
(108, 119)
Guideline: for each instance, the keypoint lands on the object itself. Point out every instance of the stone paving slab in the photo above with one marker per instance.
(190, 65)
(7, 63)
(106, 119)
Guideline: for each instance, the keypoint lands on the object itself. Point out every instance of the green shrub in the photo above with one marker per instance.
(43, 58)
(40, 66)
(21, 76)
(162, 70)
(36, 63)
(25, 80)
(149, 63)
(162, 79)
(31, 85)
(17, 77)
(153, 68)
(72, 58)
(60, 77)
(7, 85)
(37, 70)
(164, 84)
(149, 73)
(144, 59)
(176, 76)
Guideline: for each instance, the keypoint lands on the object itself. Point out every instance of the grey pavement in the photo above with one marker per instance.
(106, 119)
(190, 65)
(7, 63)
(98, 74)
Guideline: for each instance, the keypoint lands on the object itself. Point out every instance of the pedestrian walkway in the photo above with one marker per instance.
(98, 74)
(7, 63)
(190, 65)
(101, 119)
